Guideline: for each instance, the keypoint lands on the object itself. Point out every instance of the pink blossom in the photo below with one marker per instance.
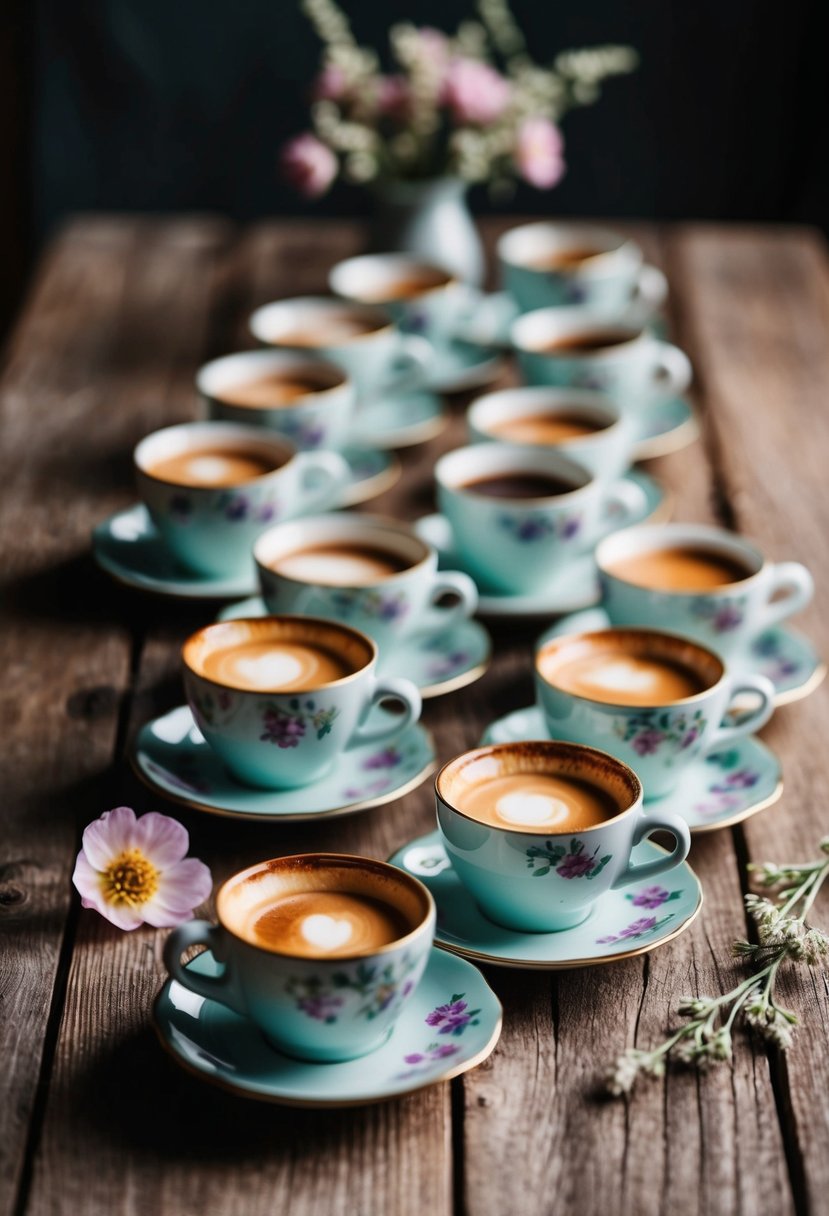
(475, 92)
(308, 164)
(434, 46)
(134, 871)
(539, 153)
(330, 85)
(394, 97)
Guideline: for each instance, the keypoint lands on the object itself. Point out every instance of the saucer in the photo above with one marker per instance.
(400, 421)
(782, 655)
(457, 365)
(224, 1048)
(495, 312)
(170, 755)
(372, 472)
(576, 587)
(664, 427)
(714, 792)
(632, 920)
(438, 662)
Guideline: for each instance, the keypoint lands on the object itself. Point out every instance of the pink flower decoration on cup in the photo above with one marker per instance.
(475, 93)
(539, 153)
(135, 870)
(308, 165)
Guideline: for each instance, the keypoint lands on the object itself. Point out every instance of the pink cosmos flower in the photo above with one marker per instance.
(308, 164)
(539, 153)
(330, 84)
(475, 92)
(134, 871)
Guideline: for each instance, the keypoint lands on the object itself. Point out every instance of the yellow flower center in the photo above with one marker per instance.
(129, 879)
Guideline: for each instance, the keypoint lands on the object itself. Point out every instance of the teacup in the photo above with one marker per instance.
(210, 517)
(539, 832)
(361, 339)
(588, 427)
(570, 348)
(279, 699)
(309, 401)
(518, 515)
(372, 573)
(656, 701)
(320, 951)
(707, 583)
(553, 264)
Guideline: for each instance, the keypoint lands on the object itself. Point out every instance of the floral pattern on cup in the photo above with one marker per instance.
(286, 727)
(721, 616)
(727, 793)
(573, 861)
(393, 764)
(379, 987)
(449, 1020)
(637, 929)
(651, 731)
(214, 708)
(235, 507)
(306, 435)
(527, 528)
(774, 663)
(377, 605)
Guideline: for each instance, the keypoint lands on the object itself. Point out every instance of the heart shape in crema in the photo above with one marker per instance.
(268, 670)
(620, 675)
(531, 810)
(325, 932)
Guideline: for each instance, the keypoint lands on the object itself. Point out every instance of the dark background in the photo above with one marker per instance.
(182, 104)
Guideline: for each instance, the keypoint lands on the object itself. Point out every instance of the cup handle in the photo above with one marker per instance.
(450, 582)
(656, 821)
(630, 502)
(335, 477)
(401, 690)
(672, 370)
(223, 988)
(796, 582)
(749, 722)
(651, 290)
(411, 366)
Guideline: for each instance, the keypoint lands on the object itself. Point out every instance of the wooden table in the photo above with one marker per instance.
(96, 1119)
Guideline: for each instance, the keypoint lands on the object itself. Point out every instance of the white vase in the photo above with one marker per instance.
(430, 219)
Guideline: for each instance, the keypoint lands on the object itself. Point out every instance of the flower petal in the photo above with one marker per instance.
(122, 915)
(162, 840)
(108, 836)
(87, 881)
(184, 885)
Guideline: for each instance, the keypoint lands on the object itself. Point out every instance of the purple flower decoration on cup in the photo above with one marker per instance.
(575, 865)
(647, 742)
(283, 729)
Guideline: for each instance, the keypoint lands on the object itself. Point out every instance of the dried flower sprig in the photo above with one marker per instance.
(783, 936)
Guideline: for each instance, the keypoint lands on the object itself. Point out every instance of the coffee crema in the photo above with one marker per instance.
(538, 802)
(324, 924)
(271, 391)
(326, 330)
(579, 344)
(274, 666)
(558, 260)
(545, 428)
(619, 677)
(214, 466)
(406, 287)
(339, 565)
(683, 568)
(519, 484)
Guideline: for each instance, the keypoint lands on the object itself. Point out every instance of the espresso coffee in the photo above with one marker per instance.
(580, 344)
(324, 924)
(538, 802)
(619, 677)
(545, 428)
(563, 260)
(407, 286)
(340, 565)
(274, 666)
(679, 569)
(272, 390)
(327, 330)
(213, 467)
(519, 484)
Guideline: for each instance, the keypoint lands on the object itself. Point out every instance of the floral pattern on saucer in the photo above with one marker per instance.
(451, 1018)
(630, 920)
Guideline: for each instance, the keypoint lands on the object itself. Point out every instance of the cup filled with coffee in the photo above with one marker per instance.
(212, 487)
(362, 339)
(551, 264)
(280, 698)
(656, 701)
(573, 348)
(321, 951)
(518, 515)
(539, 832)
(705, 582)
(307, 400)
(588, 427)
(372, 573)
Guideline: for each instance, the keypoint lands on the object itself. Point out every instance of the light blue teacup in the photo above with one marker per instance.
(343, 1002)
(659, 737)
(253, 691)
(211, 526)
(327, 566)
(544, 877)
(518, 544)
(534, 417)
(728, 617)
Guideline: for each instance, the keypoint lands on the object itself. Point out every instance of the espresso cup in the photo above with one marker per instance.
(539, 832)
(210, 517)
(656, 701)
(587, 427)
(518, 515)
(570, 348)
(319, 951)
(371, 573)
(308, 401)
(363, 340)
(710, 584)
(280, 698)
(550, 264)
